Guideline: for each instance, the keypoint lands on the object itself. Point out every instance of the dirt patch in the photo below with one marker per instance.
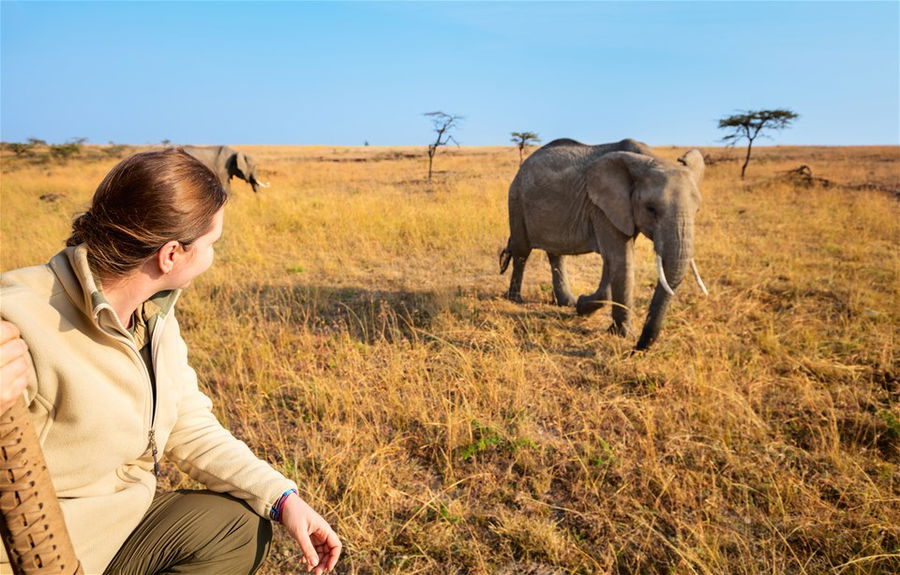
(802, 176)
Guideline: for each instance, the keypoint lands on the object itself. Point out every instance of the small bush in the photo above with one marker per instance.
(20, 149)
(65, 151)
(115, 150)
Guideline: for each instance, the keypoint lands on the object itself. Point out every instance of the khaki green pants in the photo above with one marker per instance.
(195, 532)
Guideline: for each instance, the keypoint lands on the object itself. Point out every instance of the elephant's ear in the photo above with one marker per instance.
(610, 183)
(694, 162)
(240, 162)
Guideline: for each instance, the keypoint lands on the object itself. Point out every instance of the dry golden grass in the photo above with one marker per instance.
(352, 332)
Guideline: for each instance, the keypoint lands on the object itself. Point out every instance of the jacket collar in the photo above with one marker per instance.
(74, 273)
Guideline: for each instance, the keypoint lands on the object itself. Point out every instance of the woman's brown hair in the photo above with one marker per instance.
(144, 202)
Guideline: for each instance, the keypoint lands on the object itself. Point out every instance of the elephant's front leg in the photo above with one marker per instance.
(561, 292)
(621, 271)
(515, 281)
(588, 304)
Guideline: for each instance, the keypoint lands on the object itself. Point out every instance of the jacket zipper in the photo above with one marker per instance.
(151, 435)
(154, 391)
(153, 451)
(154, 347)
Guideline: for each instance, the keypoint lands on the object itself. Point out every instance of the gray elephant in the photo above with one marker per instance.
(569, 198)
(227, 163)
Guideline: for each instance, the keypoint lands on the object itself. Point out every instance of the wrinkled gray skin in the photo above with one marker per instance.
(569, 198)
(227, 164)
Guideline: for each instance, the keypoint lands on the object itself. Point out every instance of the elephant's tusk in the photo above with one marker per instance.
(698, 278)
(263, 184)
(662, 275)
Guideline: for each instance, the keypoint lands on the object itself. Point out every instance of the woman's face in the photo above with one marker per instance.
(198, 257)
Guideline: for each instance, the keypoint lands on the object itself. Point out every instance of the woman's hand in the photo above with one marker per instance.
(320, 544)
(15, 363)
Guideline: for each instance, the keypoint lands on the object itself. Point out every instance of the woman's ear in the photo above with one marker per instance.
(167, 255)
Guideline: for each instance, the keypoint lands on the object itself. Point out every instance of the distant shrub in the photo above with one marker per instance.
(115, 150)
(64, 151)
(19, 148)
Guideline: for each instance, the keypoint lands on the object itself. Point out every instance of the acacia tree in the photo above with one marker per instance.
(750, 123)
(522, 140)
(443, 125)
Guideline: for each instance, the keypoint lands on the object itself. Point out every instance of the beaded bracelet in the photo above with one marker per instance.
(275, 513)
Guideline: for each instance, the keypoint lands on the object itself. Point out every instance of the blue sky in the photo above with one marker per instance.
(303, 73)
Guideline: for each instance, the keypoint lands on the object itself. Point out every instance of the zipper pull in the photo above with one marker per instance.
(154, 452)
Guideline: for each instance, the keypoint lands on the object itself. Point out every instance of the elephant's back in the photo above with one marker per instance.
(553, 202)
(626, 145)
(556, 158)
(561, 142)
(204, 155)
(559, 152)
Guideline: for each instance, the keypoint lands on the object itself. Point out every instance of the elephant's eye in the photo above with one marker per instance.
(651, 210)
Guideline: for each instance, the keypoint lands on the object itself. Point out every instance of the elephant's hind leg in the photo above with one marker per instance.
(561, 292)
(518, 271)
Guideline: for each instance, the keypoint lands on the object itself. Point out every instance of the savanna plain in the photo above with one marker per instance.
(353, 332)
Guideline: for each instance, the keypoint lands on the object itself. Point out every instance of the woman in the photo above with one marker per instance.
(111, 391)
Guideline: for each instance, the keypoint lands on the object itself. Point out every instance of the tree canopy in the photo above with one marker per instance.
(522, 141)
(443, 125)
(750, 124)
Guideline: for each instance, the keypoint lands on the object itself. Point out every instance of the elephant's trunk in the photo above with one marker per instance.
(675, 249)
(256, 184)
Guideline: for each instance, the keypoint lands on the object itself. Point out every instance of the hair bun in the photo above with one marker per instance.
(81, 228)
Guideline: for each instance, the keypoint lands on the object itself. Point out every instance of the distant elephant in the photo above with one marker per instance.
(569, 198)
(227, 163)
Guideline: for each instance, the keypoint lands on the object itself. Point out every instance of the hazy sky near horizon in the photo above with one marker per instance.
(334, 73)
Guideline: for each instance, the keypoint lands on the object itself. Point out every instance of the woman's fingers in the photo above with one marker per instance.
(8, 331)
(334, 549)
(318, 541)
(12, 347)
(309, 551)
(13, 381)
(14, 365)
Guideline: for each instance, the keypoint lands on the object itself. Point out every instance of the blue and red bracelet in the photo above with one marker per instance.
(275, 513)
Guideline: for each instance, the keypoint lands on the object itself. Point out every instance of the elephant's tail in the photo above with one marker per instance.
(505, 256)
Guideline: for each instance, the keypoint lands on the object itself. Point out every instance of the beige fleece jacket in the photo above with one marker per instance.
(92, 406)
